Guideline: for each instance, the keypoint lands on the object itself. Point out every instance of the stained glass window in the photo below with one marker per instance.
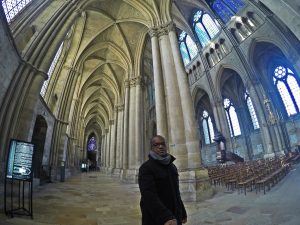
(225, 9)
(288, 87)
(205, 27)
(187, 47)
(13, 7)
(251, 111)
(51, 69)
(207, 127)
(92, 144)
(232, 119)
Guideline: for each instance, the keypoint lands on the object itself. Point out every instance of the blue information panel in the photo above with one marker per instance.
(19, 165)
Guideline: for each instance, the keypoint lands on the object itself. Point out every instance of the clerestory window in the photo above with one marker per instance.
(188, 48)
(204, 27)
(226, 9)
(51, 70)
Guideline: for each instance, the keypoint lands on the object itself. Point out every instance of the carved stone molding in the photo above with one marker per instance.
(127, 84)
(120, 107)
(165, 29)
(71, 69)
(111, 122)
(36, 70)
(153, 32)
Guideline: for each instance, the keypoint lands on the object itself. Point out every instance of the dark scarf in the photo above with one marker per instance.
(165, 160)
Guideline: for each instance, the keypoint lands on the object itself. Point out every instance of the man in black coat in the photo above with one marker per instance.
(161, 203)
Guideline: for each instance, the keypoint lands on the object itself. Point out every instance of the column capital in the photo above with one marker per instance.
(120, 107)
(165, 29)
(153, 32)
(111, 122)
(127, 83)
(136, 81)
(106, 130)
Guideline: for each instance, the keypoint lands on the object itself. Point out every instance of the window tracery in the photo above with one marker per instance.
(204, 27)
(51, 69)
(207, 127)
(288, 87)
(251, 111)
(92, 144)
(232, 119)
(187, 47)
(13, 7)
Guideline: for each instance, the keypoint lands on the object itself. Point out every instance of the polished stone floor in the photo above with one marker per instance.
(97, 199)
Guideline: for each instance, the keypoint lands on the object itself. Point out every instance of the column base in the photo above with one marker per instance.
(129, 175)
(195, 185)
(116, 172)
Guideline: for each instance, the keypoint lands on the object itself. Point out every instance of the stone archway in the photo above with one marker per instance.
(38, 139)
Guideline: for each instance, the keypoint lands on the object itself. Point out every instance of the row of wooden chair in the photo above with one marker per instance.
(258, 174)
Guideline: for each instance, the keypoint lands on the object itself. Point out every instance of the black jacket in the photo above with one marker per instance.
(160, 196)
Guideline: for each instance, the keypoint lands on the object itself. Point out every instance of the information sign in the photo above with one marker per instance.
(19, 165)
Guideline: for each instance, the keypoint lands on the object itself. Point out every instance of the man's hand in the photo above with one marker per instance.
(171, 222)
(184, 220)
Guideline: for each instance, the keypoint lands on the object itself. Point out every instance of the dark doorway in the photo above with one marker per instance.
(38, 139)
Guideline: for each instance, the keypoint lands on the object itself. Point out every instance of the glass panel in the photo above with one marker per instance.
(211, 130)
(235, 5)
(210, 25)
(51, 69)
(202, 35)
(280, 72)
(228, 121)
(205, 114)
(286, 98)
(293, 84)
(182, 36)
(92, 145)
(197, 16)
(252, 113)
(224, 13)
(235, 121)
(13, 7)
(226, 103)
(205, 131)
(184, 53)
(192, 47)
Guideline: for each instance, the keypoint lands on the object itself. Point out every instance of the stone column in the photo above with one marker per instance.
(132, 121)
(125, 131)
(107, 148)
(189, 117)
(219, 104)
(102, 152)
(160, 104)
(26, 121)
(263, 123)
(138, 123)
(175, 117)
(119, 141)
(112, 149)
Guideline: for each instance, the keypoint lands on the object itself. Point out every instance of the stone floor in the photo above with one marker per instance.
(97, 199)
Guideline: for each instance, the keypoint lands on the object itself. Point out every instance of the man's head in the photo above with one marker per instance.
(158, 145)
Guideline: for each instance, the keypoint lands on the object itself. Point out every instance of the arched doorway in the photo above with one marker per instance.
(38, 139)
